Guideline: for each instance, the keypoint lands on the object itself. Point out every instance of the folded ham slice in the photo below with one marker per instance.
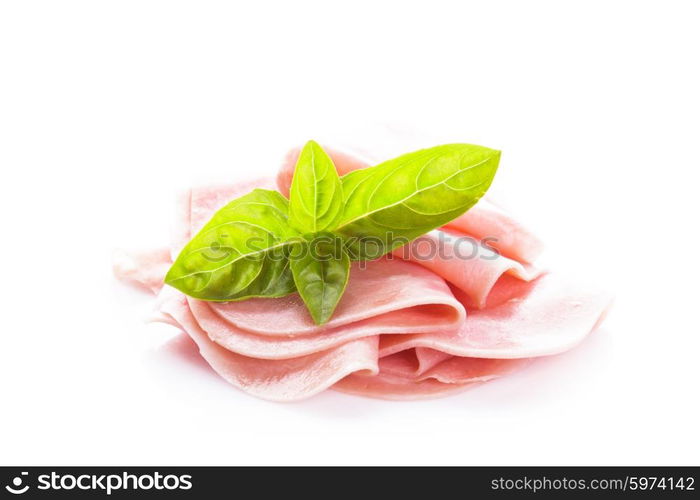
(546, 316)
(277, 380)
(386, 297)
(465, 262)
(413, 324)
(144, 269)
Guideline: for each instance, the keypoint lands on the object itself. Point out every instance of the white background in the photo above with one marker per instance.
(107, 108)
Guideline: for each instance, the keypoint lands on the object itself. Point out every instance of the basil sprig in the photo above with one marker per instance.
(261, 245)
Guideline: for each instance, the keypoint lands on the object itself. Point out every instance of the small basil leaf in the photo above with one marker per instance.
(242, 252)
(396, 201)
(320, 267)
(315, 197)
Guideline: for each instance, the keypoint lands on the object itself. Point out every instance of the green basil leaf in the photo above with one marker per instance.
(315, 196)
(242, 252)
(396, 201)
(321, 268)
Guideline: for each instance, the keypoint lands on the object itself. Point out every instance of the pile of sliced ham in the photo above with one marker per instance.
(413, 324)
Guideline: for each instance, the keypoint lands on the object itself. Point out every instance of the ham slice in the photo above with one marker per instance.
(382, 287)
(450, 376)
(444, 367)
(547, 316)
(387, 297)
(464, 262)
(276, 380)
(144, 269)
(413, 324)
(383, 386)
(488, 223)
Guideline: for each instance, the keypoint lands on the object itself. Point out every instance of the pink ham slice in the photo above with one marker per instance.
(464, 262)
(387, 297)
(276, 380)
(488, 223)
(449, 377)
(384, 386)
(445, 368)
(400, 331)
(382, 287)
(144, 269)
(547, 316)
